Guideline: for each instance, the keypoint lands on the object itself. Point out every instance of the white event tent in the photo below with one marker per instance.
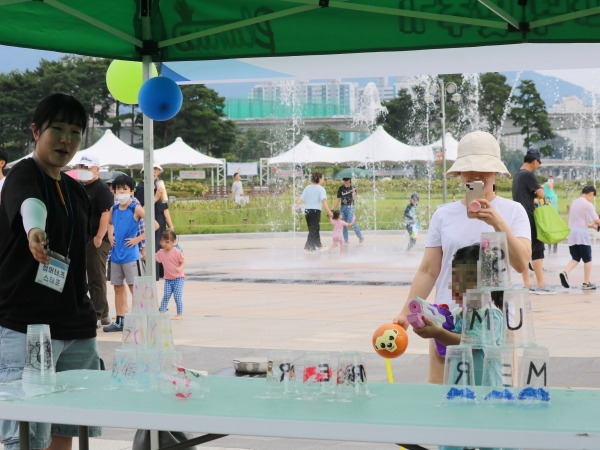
(112, 152)
(378, 148)
(180, 154)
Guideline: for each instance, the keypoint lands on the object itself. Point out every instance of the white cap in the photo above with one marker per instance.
(89, 160)
(156, 166)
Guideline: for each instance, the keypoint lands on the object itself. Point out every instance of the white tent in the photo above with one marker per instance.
(179, 154)
(306, 152)
(112, 152)
(378, 148)
(381, 148)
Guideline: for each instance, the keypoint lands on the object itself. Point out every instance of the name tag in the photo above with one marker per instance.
(54, 274)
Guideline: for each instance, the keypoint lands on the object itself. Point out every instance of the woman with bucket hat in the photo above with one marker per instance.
(453, 227)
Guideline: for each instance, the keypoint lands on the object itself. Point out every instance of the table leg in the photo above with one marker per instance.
(154, 443)
(84, 438)
(24, 435)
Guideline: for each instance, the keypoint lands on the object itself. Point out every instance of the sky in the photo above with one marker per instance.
(22, 59)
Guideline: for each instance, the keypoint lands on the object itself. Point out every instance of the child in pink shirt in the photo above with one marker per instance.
(338, 228)
(173, 263)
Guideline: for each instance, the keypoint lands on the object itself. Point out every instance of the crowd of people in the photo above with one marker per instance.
(97, 230)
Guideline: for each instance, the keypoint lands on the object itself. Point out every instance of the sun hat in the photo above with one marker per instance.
(89, 160)
(478, 151)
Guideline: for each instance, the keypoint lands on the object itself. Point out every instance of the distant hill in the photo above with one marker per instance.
(551, 89)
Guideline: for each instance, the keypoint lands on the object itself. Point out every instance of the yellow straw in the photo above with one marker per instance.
(389, 371)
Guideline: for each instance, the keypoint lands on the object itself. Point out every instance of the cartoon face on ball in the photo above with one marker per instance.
(387, 341)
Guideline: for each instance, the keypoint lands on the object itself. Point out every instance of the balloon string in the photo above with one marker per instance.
(389, 370)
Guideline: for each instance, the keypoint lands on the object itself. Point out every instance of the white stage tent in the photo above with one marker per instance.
(180, 154)
(378, 148)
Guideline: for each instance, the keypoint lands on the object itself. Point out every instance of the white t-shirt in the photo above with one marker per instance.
(451, 229)
(237, 190)
(581, 214)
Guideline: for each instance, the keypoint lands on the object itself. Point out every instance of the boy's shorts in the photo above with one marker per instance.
(579, 252)
(125, 273)
(68, 355)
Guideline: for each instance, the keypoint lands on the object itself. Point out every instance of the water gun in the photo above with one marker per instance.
(420, 308)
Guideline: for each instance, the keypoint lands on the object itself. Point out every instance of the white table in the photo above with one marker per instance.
(399, 413)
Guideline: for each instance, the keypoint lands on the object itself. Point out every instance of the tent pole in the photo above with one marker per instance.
(148, 139)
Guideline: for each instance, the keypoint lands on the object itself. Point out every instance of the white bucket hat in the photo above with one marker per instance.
(478, 151)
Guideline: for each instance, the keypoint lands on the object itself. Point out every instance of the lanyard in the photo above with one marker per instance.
(67, 205)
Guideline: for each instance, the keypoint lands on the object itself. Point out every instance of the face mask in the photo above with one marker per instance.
(84, 175)
(121, 198)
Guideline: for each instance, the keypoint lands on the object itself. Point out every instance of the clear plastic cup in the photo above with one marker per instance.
(317, 375)
(459, 375)
(135, 329)
(147, 370)
(160, 333)
(281, 374)
(493, 268)
(145, 300)
(351, 380)
(482, 323)
(518, 318)
(533, 380)
(123, 372)
(39, 374)
(499, 378)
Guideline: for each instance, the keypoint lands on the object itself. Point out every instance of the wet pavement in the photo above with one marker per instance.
(248, 293)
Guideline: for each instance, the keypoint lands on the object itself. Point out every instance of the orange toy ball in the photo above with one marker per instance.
(390, 340)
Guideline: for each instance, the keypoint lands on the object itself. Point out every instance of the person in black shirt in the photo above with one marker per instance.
(347, 196)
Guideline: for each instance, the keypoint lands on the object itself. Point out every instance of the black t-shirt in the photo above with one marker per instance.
(345, 193)
(70, 314)
(101, 200)
(159, 207)
(523, 189)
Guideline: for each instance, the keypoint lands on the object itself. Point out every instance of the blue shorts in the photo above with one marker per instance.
(579, 252)
(68, 355)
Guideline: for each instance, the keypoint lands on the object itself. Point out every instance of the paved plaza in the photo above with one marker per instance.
(248, 293)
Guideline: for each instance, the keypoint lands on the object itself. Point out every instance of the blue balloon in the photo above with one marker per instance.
(160, 98)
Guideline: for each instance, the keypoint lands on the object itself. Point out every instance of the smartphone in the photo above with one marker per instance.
(474, 191)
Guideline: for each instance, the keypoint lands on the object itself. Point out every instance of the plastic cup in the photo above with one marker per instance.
(123, 373)
(534, 375)
(144, 296)
(493, 268)
(317, 375)
(518, 318)
(499, 378)
(281, 374)
(481, 321)
(135, 329)
(459, 375)
(170, 362)
(147, 370)
(39, 375)
(160, 333)
(351, 380)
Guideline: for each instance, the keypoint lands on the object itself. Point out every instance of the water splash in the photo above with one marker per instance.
(369, 107)
(507, 107)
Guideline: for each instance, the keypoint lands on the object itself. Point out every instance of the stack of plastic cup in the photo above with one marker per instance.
(39, 375)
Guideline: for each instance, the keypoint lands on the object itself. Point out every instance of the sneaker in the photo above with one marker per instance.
(323, 249)
(361, 240)
(544, 291)
(588, 287)
(113, 327)
(564, 280)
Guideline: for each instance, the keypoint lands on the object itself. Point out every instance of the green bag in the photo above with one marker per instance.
(549, 225)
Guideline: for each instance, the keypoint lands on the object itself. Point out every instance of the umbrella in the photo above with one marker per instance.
(352, 172)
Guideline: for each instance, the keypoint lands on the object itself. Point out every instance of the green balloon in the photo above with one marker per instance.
(124, 80)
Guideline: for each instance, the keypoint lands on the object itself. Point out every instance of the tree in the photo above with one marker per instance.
(493, 101)
(200, 123)
(399, 122)
(529, 112)
(326, 136)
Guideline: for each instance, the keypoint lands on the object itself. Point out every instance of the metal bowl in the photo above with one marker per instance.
(250, 365)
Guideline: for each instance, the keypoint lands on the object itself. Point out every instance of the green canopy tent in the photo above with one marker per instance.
(187, 30)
